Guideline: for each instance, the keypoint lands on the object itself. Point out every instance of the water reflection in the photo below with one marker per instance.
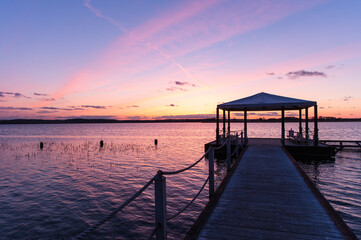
(59, 191)
(339, 181)
(313, 167)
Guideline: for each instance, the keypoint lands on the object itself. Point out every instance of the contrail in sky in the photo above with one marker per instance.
(98, 13)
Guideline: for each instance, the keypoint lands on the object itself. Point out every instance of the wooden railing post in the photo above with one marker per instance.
(237, 152)
(217, 129)
(160, 207)
(242, 139)
(211, 171)
(228, 154)
(315, 132)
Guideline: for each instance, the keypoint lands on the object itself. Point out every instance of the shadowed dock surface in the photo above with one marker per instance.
(267, 198)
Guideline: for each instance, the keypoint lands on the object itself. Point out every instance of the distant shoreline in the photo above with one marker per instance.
(208, 120)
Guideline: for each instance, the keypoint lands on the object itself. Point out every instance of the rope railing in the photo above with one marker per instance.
(160, 194)
(190, 203)
(153, 232)
(216, 148)
(187, 168)
(115, 211)
(234, 152)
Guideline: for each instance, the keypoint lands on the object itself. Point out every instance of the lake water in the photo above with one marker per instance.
(58, 192)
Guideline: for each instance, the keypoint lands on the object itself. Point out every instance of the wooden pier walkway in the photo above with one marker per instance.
(267, 198)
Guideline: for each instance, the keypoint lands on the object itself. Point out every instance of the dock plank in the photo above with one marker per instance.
(267, 198)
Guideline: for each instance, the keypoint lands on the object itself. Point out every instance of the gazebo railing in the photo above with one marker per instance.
(231, 134)
(300, 137)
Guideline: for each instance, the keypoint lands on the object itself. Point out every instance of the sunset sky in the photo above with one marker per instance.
(170, 59)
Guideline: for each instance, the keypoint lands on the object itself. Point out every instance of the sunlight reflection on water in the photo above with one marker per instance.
(59, 191)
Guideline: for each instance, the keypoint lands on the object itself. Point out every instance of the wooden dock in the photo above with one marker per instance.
(268, 198)
(299, 150)
(341, 144)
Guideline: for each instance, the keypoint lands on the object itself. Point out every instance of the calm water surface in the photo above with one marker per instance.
(57, 192)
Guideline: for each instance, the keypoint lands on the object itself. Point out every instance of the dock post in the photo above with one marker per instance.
(242, 140)
(315, 137)
(228, 154)
(237, 152)
(217, 134)
(229, 123)
(160, 207)
(300, 122)
(283, 127)
(224, 123)
(211, 171)
(306, 123)
(245, 127)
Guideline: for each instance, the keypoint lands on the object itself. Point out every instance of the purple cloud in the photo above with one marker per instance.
(75, 108)
(94, 106)
(51, 108)
(14, 94)
(48, 99)
(176, 86)
(15, 108)
(303, 73)
(184, 83)
(347, 98)
(172, 105)
(70, 108)
(40, 94)
(45, 112)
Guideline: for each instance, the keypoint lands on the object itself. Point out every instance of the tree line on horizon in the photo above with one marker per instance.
(84, 120)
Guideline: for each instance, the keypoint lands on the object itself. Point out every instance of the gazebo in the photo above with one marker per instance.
(268, 102)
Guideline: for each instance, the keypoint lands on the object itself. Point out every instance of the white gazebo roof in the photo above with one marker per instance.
(266, 102)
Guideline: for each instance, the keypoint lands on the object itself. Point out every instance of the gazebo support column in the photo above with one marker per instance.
(315, 138)
(229, 122)
(283, 126)
(245, 125)
(224, 123)
(217, 130)
(300, 122)
(306, 123)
